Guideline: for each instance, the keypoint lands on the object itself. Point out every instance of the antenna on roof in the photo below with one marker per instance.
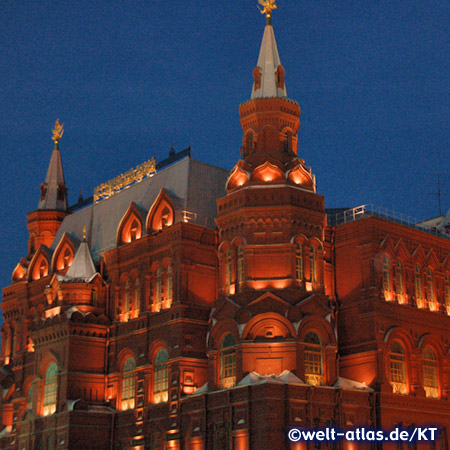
(438, 194)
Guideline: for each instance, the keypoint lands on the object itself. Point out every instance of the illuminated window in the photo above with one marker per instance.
(128, 384)
(386, 275)
(66, 258)
(398, 368)
(240, 264)
(447, 293)
(228, 272)
(127, 297)
(299, 262)
(159, 287)
(399, 278)
(227, 362)
(169, 283)
(50, 389)
(312, 258)
(313, 360)
(161, 377)
(137, 293)
(430, 374)
(430, 290)
(418, 286)
(134, 230)
(43, 269)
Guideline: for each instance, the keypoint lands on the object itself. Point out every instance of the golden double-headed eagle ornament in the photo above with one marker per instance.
(267, 7)
(58, 131)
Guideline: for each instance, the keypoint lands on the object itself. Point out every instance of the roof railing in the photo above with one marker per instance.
(369, 210)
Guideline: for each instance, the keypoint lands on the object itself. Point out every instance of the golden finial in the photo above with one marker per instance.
(84, 233)
(268, 7)
(58, 131)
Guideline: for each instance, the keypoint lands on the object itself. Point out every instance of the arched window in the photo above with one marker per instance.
(399, 281)
(430, 373)
(67, 258)
(227, 362)
(386, 275)
(169, 283)
(50, 389)
(299, 262)
(43, 269)
(127, 295)
(240, 264)
(30, 397)
(430, 290)
(128, 384)
(398, 368)
(137, 293)
(312, 258)
(313, 360)
(134, 230)
(159, 288)
(447, 293)
(161, 377)
(418, 286)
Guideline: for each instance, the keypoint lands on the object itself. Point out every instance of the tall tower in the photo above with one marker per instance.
(273, 271)
(271, 221)
(44, 222)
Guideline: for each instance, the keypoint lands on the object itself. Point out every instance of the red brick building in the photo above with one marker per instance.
(202, 309)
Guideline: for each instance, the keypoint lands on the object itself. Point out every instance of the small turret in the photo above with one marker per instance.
(43, 223)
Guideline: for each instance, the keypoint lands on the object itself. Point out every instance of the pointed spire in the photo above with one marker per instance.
(53, 190)
(82, 267)
(269, 73)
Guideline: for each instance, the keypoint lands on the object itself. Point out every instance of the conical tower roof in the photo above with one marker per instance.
(269, 81)
(54, 193)
(82, 267)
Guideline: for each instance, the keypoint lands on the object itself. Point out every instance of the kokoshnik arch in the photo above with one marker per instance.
(207, 309)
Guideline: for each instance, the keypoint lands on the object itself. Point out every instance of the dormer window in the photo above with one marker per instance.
(134, 229)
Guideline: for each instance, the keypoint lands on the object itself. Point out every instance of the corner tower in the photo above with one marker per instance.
(44, 222)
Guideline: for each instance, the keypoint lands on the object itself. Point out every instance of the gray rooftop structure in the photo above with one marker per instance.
(193, 187)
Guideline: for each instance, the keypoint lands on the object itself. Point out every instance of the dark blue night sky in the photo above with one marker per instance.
(128, 79)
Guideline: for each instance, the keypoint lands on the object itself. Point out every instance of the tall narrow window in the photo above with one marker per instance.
(134, 230)
(127, 294)
(66, 258)
(228, 271)
(386, 276)
(447, 293)
(227, 362)
(313, 360)
(398, 368)
(161, 377)
(50, 389)
(399, 281)
(94, 297)
(128, 384)
(430, 373)
(43, 269)
(169, 283)
(418, 286)
(158, 289)
(430, 290)
(299, 262)
(30, 397)
(137, 293)
(313, 262)
(240, 264)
